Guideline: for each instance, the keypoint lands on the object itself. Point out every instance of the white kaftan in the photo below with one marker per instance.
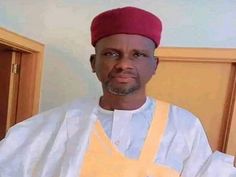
(52, 144)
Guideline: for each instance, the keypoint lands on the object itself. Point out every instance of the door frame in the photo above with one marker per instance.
(30, 72)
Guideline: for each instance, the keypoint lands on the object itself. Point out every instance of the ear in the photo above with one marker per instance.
(157, 62)
(92, 62)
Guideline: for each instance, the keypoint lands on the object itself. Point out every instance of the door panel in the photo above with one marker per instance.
(5, 72)
(9, 82)
(13, 89)
(26, 90)
(200, 80)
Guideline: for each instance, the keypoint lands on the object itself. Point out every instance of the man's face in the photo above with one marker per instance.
(124, 63)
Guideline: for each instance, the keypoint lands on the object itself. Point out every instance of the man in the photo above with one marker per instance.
(122, 134)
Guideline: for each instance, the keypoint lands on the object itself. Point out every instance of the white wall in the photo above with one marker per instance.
(63, 26)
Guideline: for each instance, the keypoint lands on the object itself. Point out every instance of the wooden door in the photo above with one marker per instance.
(21, 61)
(202, 81)
(9, 80)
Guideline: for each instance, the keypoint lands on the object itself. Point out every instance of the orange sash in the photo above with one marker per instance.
(102, 158)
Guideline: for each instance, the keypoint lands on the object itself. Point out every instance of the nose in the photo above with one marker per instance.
(124, 63)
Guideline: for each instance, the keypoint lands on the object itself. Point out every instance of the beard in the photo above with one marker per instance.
(122, 89)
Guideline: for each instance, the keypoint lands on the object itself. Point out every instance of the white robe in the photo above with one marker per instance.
(52, 144)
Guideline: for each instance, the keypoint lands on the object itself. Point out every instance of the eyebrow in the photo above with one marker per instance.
(141, 50)
(118, 50)
(109, 48)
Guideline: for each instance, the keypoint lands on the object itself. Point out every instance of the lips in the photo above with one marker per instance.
(123, 78)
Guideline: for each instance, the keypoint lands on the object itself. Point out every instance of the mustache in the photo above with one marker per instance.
(120, 73)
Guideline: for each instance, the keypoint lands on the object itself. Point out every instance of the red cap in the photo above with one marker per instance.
(126, 20)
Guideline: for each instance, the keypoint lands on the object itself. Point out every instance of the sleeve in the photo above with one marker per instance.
(27, 143)
(203, 163)
(218, 165)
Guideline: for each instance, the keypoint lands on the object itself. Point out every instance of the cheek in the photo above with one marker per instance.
(146, 71)
(102, 70)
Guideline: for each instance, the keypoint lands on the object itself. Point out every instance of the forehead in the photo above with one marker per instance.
(128, 41)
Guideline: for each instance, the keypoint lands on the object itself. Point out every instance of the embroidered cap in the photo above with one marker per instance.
(126, 20)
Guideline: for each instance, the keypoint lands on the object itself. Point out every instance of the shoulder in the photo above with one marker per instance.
(49, 121)
(184, 124)
(179, 116)
(183, 118)
(58, 113)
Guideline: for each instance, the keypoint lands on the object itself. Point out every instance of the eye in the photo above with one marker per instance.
(111, 54)
(139, 55)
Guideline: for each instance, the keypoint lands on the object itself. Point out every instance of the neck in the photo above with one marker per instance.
(129, 102)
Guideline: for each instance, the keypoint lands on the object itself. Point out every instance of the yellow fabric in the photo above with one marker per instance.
(102, 158)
